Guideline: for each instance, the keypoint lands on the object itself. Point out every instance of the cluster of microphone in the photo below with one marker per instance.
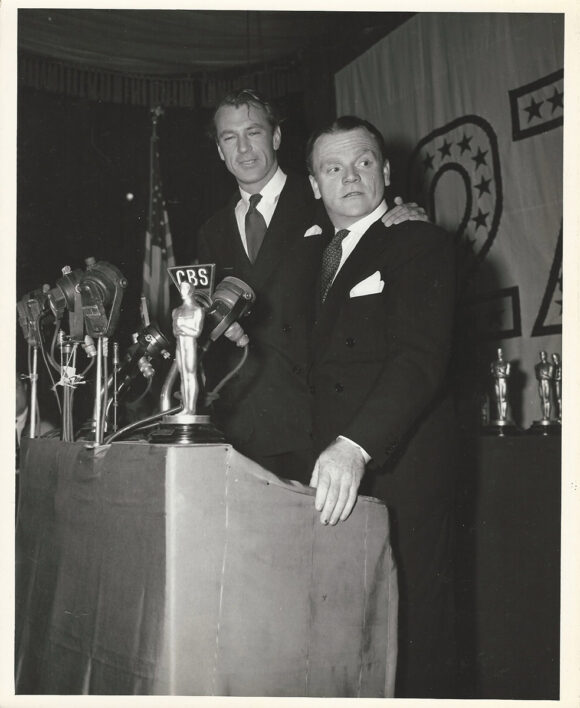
(71, 325)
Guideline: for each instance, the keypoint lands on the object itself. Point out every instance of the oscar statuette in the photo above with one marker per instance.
(500, 423)
(549, 378)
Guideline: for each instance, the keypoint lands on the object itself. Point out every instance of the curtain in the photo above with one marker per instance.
(200, 91)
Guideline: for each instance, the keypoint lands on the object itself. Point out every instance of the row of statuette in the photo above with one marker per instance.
(548, 372)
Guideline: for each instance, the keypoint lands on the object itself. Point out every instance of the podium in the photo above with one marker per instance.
(190, 570)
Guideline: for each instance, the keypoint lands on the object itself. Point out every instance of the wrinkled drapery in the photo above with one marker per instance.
(192, 571)
(200, 91)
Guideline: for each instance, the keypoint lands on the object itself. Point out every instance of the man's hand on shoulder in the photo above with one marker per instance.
(404, 212)
(337, 475)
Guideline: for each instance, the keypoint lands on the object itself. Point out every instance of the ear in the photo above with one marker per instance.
(387, 173)
(276, 138)
(314, 185)
(220, 153)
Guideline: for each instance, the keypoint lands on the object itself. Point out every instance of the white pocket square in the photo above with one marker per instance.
(369, 286)
(313, 231)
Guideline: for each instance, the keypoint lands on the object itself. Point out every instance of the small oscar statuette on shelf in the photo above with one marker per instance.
(557, 390)
(549, 378)
(499, 422)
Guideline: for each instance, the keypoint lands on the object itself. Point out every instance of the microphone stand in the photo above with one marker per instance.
(33, 392)
(115, 394)
(98, 406)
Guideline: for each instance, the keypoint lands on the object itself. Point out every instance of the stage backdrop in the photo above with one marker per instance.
(471, 106)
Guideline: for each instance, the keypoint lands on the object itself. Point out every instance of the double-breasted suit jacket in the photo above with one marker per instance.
(380, 359)
(266, 408)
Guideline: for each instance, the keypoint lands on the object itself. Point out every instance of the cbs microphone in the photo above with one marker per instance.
(232, 300)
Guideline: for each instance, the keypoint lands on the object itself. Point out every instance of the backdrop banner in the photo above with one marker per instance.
(471, 106)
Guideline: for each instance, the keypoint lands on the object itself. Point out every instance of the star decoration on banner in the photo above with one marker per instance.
(445, 149)
(464, 143)
(465, 148)
(428, 162)
(483, 186)
(529, 114)
(480, 219)
(557, 99)
(479, 159)
(533, 110)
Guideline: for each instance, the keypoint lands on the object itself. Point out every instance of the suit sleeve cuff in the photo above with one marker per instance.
(365, 454)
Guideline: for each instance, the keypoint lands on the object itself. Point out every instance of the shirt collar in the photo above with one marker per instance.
(271, 191)
(360, 226)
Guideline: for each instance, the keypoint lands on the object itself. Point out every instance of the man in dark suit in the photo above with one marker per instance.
(381, 347)
(265, 411)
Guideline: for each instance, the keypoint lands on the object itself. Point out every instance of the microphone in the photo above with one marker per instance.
(64, 295)
(231, 300)
(150, 343)
(30, 309)
(101, 285)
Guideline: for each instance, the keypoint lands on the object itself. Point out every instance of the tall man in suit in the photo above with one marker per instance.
(265, 410)
(381, 346)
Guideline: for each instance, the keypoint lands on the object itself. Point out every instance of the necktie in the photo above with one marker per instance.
(255, 228)
(330, 262)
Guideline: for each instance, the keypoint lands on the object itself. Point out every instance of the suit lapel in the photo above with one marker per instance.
(229, 246)
(281, 235)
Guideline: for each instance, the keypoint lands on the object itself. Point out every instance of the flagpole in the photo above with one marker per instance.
(156, 113)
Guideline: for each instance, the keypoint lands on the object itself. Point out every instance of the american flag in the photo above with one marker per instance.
(158, 244)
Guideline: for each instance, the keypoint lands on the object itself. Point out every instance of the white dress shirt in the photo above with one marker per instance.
(267, 205)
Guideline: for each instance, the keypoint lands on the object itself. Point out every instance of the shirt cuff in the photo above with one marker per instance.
(365, 454)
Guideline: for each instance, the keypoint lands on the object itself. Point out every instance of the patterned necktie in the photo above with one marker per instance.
(255, 228)
(330, 262)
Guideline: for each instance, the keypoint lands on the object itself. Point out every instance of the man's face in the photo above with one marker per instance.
(247, 144)
(349, 175)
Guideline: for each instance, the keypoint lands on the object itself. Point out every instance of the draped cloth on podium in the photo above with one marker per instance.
(192, 571)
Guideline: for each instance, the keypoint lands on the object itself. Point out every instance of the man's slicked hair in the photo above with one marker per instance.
(246, 97)
(344, 124)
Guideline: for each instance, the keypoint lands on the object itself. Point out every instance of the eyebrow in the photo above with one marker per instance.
(340, 159)
(231, 131)
(366, 151)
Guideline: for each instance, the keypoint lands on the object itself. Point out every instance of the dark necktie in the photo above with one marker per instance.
(330, 262)
(255, 228)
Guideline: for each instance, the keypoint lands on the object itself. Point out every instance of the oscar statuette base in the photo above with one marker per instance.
(545, 427)
(500, 428)
(186, 429)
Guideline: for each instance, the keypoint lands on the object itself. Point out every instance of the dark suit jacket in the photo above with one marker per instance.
(380, 361)
(266, 408)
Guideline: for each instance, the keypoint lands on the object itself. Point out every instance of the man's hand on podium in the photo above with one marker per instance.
(337, 475)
